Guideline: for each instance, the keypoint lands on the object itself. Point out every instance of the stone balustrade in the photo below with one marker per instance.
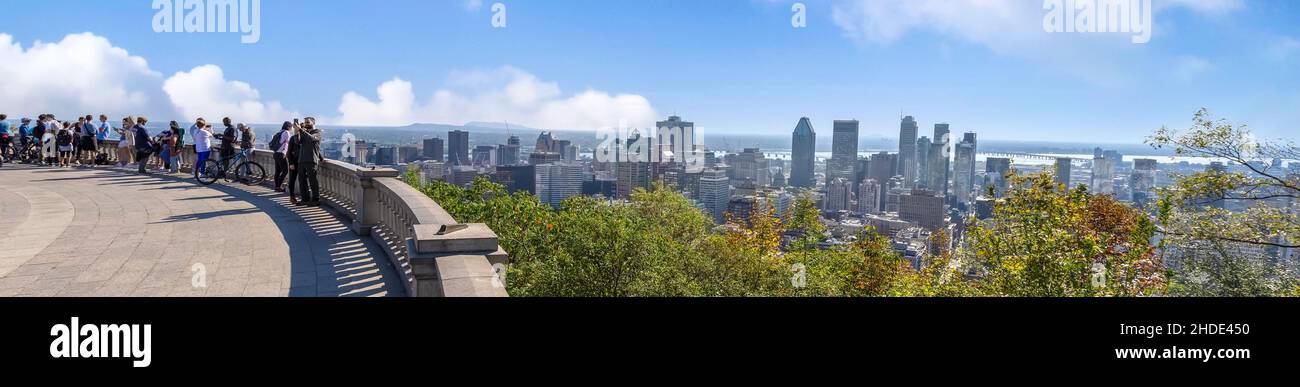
(435, 255)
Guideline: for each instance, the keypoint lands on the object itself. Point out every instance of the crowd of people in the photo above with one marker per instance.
(65, 144)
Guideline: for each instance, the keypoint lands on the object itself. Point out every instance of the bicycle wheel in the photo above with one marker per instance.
(208, 172)
(250, 173)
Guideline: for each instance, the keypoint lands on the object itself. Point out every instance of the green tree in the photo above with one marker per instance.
(1218, 251)
(1045, 241)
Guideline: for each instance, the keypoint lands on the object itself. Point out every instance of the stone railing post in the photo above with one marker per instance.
(369, 213)
(457, 260)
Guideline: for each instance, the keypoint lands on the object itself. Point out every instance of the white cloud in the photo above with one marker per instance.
(205, 92)
(81, 74)
(999, 24)
(1187, 68)
(1006, 27)
(504, 94)
(1282, 48)
(473, 5)
(86, 74)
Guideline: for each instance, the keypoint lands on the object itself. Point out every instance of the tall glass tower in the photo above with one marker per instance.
(844, 150)
(907, 151)
(803, 154)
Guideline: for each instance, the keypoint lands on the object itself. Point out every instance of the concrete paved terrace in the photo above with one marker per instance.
(107, 231)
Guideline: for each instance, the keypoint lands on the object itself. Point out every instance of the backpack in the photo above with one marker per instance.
(275, 142)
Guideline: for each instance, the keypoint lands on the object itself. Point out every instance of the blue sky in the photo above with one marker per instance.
(728, 65)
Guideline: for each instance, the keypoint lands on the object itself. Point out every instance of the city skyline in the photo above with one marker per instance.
(983, 67)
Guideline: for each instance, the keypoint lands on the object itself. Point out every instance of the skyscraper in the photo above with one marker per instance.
(940, 167)
(869, 197)
(1063, 171)
(844, 150)
(433, 148)
(882, 167)
(546, 143)
(923, 207)
(907, 133)
(508, 154)
(963, 177)
(631, 175)
(1104, 163)
(676, 137)
(996, 169)
(715, 192)
(838, 193)
(458, 148)
(559, 181)
(751, 165)
(484, 156)
(803, 154)
(1143, 179)
(922, 162)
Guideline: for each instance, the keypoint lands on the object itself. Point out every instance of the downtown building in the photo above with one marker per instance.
(907, 160)
(1143, 181)
(922, 207)
(714, 193)
(1063, 171)
(675, 139)
(751, 165)
(508, 153)
(557, 182)
(963, 171)
(839, 195)
(458, 148)
(1104, 165)
(844, 151)
(922, 162)
(869, 195)
(803, 155)
(939, 167)
(433, 149)
(995, 175)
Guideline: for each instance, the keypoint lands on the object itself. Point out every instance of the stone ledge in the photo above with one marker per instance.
(476, 237)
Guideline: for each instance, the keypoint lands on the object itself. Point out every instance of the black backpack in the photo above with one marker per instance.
(275, 142)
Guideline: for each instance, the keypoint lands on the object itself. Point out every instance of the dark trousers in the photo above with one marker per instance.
(226, 155)
(142, 157)
(281, 170)
(308, 183)
(293, 183)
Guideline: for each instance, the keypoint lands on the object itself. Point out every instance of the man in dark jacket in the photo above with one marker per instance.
(291, 159)
(308, 159)
(143, 145)
(228, 138)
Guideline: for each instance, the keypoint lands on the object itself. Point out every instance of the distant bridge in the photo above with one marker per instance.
(1023, 156)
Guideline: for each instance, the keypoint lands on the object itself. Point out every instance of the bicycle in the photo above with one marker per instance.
(245, 171)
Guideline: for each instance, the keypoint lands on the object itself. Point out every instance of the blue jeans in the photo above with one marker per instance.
(198, 164)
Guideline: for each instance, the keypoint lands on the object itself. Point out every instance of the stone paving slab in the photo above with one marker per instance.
(110, 232)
